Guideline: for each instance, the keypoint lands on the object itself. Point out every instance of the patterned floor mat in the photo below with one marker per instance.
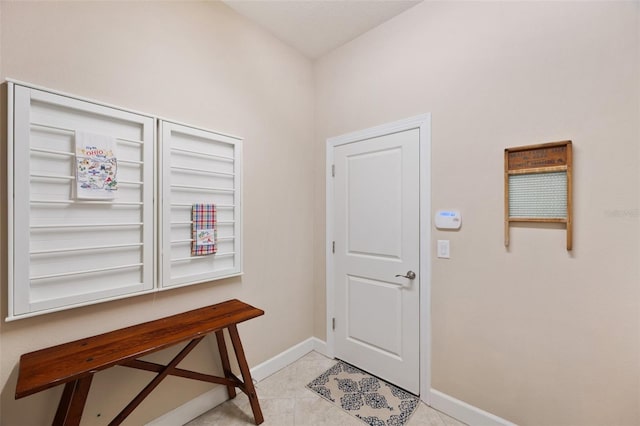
(372, 400)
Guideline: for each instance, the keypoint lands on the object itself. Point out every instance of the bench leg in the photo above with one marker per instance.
(72, 402)
(246, 374)
(155, 382)
(226, 366)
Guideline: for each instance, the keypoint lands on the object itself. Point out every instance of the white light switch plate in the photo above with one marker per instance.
(443, 249)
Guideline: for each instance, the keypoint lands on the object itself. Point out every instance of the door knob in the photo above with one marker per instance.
(410, 275)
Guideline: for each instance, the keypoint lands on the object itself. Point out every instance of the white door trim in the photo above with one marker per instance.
(423, 122)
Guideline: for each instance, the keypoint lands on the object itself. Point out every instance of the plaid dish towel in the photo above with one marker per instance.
(203, 234)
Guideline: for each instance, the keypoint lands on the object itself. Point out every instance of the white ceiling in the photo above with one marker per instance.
(315, 27)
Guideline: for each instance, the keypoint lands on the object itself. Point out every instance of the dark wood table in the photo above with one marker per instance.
(74, 364)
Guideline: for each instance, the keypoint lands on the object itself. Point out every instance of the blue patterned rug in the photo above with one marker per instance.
(374, 401)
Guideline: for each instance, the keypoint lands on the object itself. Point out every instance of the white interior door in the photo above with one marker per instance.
(376, 220)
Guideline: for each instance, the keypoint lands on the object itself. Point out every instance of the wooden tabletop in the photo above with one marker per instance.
(60, 364)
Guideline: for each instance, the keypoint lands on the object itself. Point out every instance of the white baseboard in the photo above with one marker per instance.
(291, 355)
(320, 346)
(464, 412)
(192, 409)
(218, 395)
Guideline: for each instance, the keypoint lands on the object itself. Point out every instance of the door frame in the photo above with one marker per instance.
(422, 122)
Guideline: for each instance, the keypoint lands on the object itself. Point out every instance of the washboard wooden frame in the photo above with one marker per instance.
(538, 186)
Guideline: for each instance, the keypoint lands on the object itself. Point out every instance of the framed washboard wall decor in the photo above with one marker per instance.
(538, 185)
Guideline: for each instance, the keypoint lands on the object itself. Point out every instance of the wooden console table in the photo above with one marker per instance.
(75, 363)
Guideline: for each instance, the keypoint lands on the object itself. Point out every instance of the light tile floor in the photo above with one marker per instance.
(285, 401)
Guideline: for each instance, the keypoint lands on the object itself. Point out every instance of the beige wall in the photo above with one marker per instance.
(533, 333)
(199, 63)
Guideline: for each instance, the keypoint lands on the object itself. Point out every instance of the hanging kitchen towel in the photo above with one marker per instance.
(96, 166)
(203, 234)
